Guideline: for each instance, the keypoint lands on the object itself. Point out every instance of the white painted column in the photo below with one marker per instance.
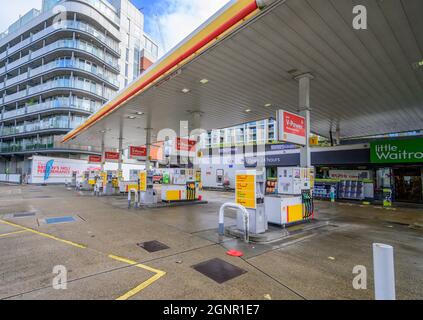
(338, 136)
(304, 107)
(120, 146)
(103, 159)
(148, 134)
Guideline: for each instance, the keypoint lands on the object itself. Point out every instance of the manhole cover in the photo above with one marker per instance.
(23, 214)
(59, 220)
(153, 246)
(219, 270)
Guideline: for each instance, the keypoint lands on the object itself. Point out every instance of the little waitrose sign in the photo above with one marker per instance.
(291, 128)
(397, 151)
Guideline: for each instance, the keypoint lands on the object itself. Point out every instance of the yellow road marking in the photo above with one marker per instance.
(11, 233)
(44, 234)
(145, 284)
(142, 286)
(129, 294)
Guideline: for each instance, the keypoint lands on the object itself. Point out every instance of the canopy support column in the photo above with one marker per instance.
(120, 147)
(148, 134)
(338, 136)
(103, 156)
(304, 104)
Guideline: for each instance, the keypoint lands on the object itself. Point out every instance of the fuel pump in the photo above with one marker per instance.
(249, 190)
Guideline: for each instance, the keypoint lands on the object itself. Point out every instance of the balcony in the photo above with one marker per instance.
(62, 103)
(62, 84)
(105, 9)
(64, 25)
(61, 123)
(63, 64)
(66, 44)
(49, 145)
(13, 113)
(20, 45)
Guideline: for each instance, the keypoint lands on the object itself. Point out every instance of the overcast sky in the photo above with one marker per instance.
(14, 9)
(167, 21)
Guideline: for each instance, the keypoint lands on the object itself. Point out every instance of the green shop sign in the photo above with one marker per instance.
(397, 151)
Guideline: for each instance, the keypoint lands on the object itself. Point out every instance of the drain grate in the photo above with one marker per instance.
(59, 220)
(219, 270)
(23, 214)
(153, 246)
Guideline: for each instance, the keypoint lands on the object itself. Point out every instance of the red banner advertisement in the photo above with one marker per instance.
(94, 159)
(111, 156)
(137, 152)
(183, 144)
(292, 128)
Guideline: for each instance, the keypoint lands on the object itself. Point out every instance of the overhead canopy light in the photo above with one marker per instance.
(248, 110)
(185, 90)
(418, 64)
(267, 105)
(140, 113)
(204, 81)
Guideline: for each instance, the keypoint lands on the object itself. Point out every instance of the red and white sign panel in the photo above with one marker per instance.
(137, 152)
(94, 159)
(111, 156)
(183, 144)
(291, 127)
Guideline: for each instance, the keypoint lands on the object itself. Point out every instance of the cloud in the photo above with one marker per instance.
(14, 9)
(178, 18)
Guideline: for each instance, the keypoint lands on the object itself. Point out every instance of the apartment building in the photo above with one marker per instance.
(60, 64)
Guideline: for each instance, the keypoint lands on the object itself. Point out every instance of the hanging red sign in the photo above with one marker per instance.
(183, 144)
(94, 159)
(291, 128)
(137, 152)
(111, 156)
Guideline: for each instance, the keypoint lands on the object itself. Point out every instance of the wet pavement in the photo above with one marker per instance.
(97, 241)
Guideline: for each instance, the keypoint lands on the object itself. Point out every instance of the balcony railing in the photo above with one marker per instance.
(74, 64)
(51, 144)
(66, 24)
(67, 44)
(59, 103)
(62, 83)
(36, 126)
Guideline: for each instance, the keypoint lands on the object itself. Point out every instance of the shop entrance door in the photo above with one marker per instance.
(408, 185)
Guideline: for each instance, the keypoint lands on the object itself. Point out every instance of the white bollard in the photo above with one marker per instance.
(384, 272)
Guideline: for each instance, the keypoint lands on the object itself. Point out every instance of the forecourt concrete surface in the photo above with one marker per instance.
(103, 261)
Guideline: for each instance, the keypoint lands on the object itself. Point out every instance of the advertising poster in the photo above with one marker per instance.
(246, 189)
(291, 127)
(57, 170)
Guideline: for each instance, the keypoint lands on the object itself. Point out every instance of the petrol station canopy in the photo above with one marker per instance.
(241, 66)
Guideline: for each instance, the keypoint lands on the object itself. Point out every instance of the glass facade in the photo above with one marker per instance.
(260, 132)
